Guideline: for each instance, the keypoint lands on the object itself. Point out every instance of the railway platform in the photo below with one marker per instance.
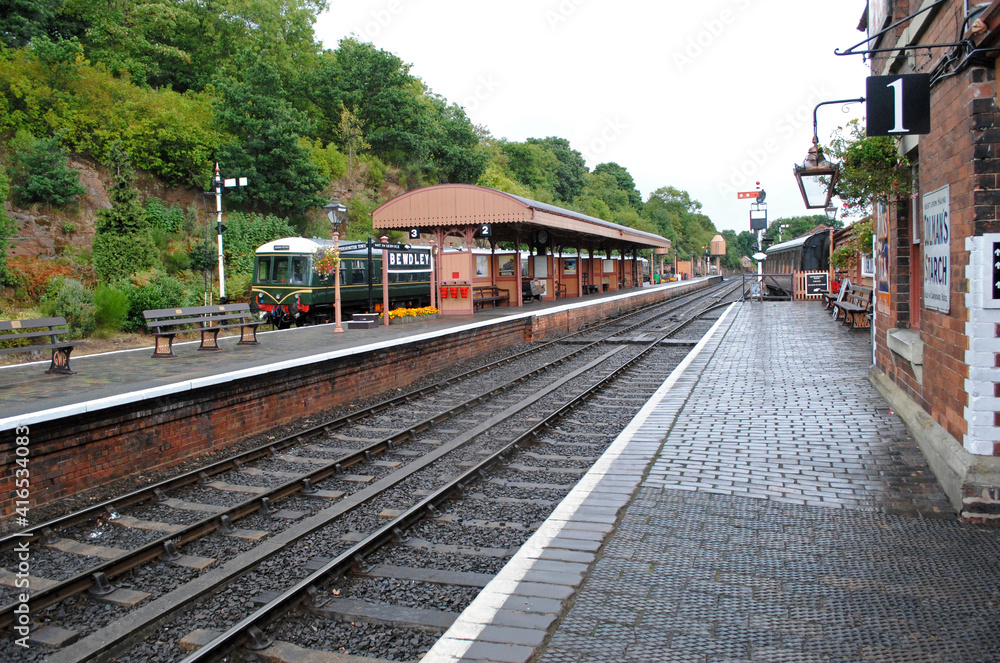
(28, 395)
(765, 505)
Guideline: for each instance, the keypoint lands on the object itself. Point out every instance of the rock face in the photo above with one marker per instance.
(47, 232)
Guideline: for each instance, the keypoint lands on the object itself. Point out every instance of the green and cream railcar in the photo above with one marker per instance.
(287, 290)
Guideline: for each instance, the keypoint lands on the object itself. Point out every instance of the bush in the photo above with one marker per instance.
(72, 300)
(41, 172)
(117, 257)
(111, 308)
(161, 291)
(32, 277)
(161, 217)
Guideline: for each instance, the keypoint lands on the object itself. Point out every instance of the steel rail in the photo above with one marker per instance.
(38, 532)
(86, 580)
(252, 627)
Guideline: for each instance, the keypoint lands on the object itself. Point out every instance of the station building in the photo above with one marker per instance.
(570, 254)
(937, 305)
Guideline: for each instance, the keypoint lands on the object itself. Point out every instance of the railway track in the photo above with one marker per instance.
(254, 534)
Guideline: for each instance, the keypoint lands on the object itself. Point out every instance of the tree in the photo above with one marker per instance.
(624, 181)
(533, 166)
(122, 245)
(571, 175)
(41, 172)
(266, 150)
(351, 137)
(24, 20)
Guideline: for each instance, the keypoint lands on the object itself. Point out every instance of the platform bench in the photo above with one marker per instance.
(41, 329)
(208, 320)
(855, 307)
(489, 294)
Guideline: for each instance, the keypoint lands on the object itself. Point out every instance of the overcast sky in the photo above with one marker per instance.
(708, 96)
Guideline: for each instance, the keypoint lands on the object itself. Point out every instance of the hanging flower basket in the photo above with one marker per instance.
(326, 261)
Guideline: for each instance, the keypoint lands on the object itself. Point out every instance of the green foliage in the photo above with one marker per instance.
(41, 172)
(159, 216)
(122, 245)
(161, 291)
(21, 21)
(571, 174)
(860, 243)
(533, 166)
(332, 164)
(70, 299)
(50, 88)
(245, 233)
(871, 169)
(116, 257)
(281, 175)
(623, 180)
(375, 172)
(797, 226)
(111, 307)
(8, 228)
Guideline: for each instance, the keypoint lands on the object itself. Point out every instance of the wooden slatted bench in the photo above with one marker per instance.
(855, 307)
(166, 323)
(489, 294)
(40, 329)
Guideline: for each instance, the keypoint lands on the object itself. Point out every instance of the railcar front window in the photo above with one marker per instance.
(279, 273)
(263, 269)
(300, 269)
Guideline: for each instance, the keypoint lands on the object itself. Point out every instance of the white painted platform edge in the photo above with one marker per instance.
(457, 640)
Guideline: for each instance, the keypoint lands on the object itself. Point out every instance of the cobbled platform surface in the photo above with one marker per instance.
(785, 515)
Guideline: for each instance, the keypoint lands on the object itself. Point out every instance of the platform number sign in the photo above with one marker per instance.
(414, 233)
(991, 271)
(899, 105)
(485, 230)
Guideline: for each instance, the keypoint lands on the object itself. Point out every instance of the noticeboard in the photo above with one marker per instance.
(817, 284)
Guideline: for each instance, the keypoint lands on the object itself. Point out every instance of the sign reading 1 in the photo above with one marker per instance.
(899, 105)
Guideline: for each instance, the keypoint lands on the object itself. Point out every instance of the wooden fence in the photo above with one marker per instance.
(799, 287)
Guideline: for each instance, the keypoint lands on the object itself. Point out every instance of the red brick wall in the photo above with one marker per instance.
(71, 455)
(959, 152)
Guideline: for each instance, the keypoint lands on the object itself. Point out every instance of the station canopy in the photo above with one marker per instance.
(458, 207)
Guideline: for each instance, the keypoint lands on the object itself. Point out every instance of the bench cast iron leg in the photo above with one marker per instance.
(164, 346)
(210, 340)
(248, 335)
(60, 361)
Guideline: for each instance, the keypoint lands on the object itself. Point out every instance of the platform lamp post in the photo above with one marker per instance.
(434, 301)
(831, 214)
(335, 211)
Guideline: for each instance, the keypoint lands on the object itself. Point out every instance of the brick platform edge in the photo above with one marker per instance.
(72, 454)
(971, 482)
